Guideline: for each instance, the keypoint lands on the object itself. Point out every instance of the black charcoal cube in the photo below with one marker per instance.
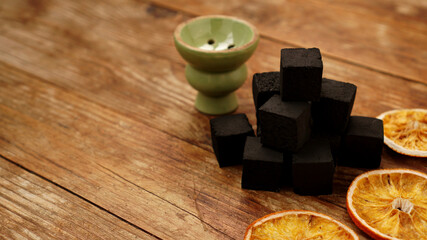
(228, 138)
(313, 168)
(285, 125)
(362, 143)
(332, 112)
(300, 74)
(264, 86)
(263, 168)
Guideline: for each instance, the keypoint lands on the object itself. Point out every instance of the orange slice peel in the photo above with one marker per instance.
(405, 131)
(298, 224)
(389, 204)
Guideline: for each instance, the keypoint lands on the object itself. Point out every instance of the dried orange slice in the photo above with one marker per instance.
(390, 203)
(298, 224)
(405, 131)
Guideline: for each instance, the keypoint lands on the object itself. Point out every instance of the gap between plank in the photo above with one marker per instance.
(79, 196)
(273, 39)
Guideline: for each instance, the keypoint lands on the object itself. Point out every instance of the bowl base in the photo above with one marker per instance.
(216, 105)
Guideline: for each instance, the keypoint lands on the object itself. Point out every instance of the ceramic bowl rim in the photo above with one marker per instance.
(253, 40)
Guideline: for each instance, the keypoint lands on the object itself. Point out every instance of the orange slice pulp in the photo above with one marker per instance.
(390, 203)
(299, 225)
(405, 131)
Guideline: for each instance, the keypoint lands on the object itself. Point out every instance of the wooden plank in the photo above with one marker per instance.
(409, 13)
(134, 201)
(364, 38)
(33, 208)
(162, 184)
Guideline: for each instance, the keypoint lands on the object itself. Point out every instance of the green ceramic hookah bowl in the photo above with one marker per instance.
(216, 48)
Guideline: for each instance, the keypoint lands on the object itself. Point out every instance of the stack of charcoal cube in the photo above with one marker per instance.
(304, 129)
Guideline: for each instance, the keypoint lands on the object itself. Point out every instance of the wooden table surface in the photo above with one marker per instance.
(99, 138)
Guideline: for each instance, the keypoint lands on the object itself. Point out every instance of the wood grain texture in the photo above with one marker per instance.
(122, 165)
(90, 153)
(93, 97)
(33, 208)
(409, 13)
(352, 34)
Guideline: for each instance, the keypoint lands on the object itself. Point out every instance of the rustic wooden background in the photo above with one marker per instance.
(98, 134)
